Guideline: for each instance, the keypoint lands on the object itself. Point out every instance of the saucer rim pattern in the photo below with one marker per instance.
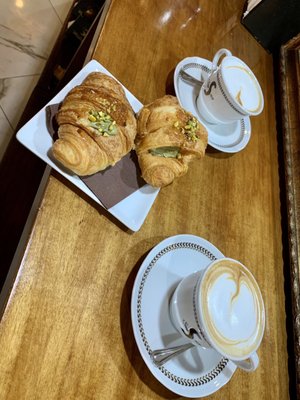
(220, 372)
(245, 125)
(182, 381)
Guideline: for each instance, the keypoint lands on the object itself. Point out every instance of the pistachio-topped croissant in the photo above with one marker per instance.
(97, 125)
(168, 138)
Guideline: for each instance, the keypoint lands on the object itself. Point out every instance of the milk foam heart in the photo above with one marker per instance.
(232, 308)
(242, 85)
(230, 92)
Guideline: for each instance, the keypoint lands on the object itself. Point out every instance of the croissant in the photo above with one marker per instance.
(96, 125)
(168, 139)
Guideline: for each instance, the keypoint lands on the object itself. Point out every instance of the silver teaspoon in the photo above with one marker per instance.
(189, 78)
(161, 356)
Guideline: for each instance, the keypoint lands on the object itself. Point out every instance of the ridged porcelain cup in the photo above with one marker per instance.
(221, 307)
(230, 92)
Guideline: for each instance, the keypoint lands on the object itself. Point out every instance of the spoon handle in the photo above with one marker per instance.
(189, 78)
(161, 356)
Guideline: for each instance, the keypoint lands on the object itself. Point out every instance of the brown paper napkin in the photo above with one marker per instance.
(113, 184)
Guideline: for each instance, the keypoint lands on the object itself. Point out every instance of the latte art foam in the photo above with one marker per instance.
(243, 87)
(232, 309)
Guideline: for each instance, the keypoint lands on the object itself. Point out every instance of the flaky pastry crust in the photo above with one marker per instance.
(97, 125)
(168, 139)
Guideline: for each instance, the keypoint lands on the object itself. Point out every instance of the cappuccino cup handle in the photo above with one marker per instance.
(250, 364)
(218, 55)
(215, 62)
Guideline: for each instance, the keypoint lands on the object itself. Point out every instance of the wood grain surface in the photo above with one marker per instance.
(66, 331)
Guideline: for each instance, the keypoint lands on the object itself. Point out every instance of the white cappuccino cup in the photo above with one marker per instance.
(221, 307)
(230, 92)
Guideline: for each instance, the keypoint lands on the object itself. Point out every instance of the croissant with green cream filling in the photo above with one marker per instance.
(97, 125)
(168, 139)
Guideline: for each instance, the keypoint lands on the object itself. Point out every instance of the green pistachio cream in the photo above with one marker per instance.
(103, 123)
(189, 129)
(167, 152)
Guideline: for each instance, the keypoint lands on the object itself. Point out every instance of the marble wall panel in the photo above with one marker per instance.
(28, 31)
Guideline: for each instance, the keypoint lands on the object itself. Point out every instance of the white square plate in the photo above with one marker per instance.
(132, 210)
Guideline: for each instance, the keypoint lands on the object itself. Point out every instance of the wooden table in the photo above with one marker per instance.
(66, 330)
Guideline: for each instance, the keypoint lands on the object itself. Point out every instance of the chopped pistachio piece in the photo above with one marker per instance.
(92, 118)
(102, 122)
(189, 129)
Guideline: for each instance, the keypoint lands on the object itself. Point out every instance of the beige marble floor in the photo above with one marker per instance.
(28, 31)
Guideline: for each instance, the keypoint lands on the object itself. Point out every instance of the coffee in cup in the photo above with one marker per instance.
(231, 91)
(221, 307)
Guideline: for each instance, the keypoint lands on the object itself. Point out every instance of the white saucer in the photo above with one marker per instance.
(228, 138)
(34, 135)
(197, 372)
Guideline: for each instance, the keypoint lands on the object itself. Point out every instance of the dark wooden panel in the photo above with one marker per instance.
(290, 106)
